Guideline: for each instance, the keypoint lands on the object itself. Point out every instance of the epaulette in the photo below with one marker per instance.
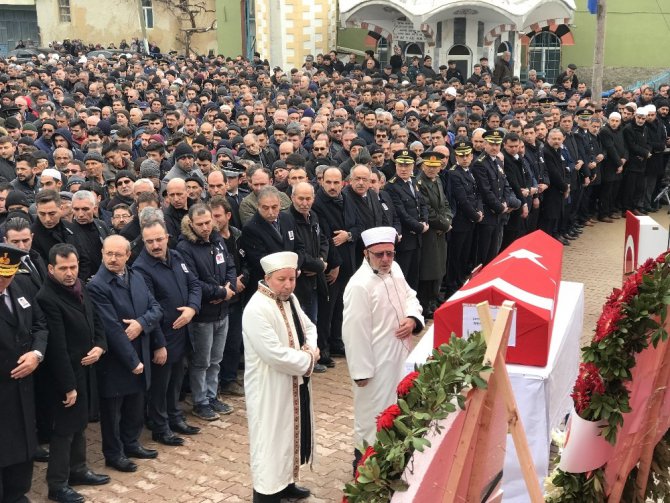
(481, 158)
(419, 182)
(392, 180)
(453, 167)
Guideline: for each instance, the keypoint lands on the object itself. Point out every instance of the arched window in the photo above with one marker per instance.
(544, 55)
(462, 55)
(383, 51)
(413, 50)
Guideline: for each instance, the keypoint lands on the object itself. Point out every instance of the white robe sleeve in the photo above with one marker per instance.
(357, 332)
(265, 342)
(413, 307)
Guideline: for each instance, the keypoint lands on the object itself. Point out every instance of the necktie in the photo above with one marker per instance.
(275, 224)
(6, 308)
(411, 188)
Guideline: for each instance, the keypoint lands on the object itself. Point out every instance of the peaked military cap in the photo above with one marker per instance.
(463, 148)
(493, 136)
(404, 156)
(432, 159)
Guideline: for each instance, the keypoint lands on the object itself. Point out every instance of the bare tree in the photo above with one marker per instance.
(190, 14)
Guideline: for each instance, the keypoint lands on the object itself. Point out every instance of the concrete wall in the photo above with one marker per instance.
(638, 34)
(95, 22)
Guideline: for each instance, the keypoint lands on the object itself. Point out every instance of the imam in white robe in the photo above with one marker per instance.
(374, 307)
(274, 368)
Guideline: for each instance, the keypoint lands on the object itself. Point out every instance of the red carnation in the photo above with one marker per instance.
(648, 266)
(345, 499)
(407, 383)
(608, 321)
(588, 382)
(386, 417)
(368, 452)
(661, 258)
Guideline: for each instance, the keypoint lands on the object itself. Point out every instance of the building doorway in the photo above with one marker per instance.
(462, 55)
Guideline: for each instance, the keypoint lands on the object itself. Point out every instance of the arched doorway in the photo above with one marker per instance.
(544, 55)
(462, 55)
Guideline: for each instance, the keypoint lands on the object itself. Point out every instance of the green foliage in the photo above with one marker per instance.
(643, 315)
(438, 391)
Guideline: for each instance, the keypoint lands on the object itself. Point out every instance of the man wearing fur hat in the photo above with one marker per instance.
(280, 352)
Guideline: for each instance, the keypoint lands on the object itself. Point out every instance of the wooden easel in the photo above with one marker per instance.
(477, 422)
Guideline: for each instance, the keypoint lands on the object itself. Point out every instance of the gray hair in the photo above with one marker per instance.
(268, 191)
(150, 216)
(82, 195)
(143, 181)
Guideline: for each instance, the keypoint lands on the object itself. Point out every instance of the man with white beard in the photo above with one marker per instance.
(280, 351)
(381, 312)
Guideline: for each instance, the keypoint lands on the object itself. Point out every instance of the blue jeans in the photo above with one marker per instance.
(208, 340)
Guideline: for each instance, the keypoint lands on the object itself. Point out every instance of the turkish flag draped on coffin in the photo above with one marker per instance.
(527, 272)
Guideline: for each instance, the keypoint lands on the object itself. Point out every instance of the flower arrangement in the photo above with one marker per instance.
(425, 396)
(632, 318)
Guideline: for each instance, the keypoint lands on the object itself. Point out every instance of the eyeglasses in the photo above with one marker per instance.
(124, 182)
(382, 254)
(47, 130)
(125, 215)
(110, 254)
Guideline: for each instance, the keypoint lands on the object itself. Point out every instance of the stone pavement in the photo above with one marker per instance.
(214, 465)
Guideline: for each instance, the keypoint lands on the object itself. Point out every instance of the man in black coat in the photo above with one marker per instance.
(50, 229)
(495, 192)
(131, 317)
(636, 140)
(177, 209)
(76, 343)
(268, 231)
(467, 211)
(23, 343)
(520, 184)
(312, 279)
(91, 231)
(368, 206)
(554, 197)
(412, 210)
(340, 224)
(176, 289)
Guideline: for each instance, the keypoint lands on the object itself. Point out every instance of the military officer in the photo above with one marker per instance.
(433, 265)
(468, 211)
(488, 172)
(412, 211)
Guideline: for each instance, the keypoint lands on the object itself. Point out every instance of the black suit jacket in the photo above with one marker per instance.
(24, 331)
(74, 329)
(259, 238)
(116, 300)
(412, 211)
(468, 203)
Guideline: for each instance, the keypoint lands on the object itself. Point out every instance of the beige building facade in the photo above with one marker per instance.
(289, 30)
(108, 22)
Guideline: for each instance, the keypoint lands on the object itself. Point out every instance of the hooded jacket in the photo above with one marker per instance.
(213, 266)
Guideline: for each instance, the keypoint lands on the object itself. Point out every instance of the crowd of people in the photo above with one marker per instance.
(144, 200)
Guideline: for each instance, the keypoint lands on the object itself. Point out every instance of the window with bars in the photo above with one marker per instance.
(64, 11)
(148, 10)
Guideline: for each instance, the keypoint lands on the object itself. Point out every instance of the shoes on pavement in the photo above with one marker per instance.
(121, 464)
(167, 439)
(319, 369)
(88, 478)
(66, 495)
(205, 412)
(41, 454)
(220, 407)
(141, 453)
(563, 241)
(184, 428)
(295, 492)
(232, 388)
(328, 362)
(607, 220)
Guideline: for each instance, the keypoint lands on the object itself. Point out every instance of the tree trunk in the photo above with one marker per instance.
(599, 52)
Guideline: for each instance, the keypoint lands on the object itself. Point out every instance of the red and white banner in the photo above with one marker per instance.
(645, 238)
(528, 272)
